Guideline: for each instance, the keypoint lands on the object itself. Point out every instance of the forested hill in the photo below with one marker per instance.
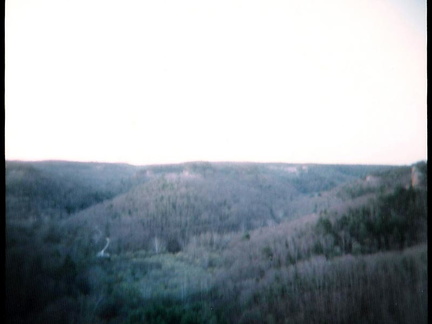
(115, 243)
(175, 203)
(57, 189)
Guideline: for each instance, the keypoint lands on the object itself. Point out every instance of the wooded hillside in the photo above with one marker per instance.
(215, 243)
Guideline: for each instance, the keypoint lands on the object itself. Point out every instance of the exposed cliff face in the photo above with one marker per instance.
(373, 181)
(417, 177)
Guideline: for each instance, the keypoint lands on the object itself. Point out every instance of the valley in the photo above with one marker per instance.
(204, 242)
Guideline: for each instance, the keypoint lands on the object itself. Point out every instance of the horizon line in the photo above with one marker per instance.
(209, 161)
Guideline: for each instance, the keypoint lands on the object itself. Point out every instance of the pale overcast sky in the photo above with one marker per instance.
(163, 81)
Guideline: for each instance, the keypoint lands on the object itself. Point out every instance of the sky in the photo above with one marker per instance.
(170, 81)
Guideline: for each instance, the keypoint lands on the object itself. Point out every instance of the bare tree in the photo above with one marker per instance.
(97, 235)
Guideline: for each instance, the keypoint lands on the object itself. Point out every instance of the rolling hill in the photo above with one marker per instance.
(274, 241)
